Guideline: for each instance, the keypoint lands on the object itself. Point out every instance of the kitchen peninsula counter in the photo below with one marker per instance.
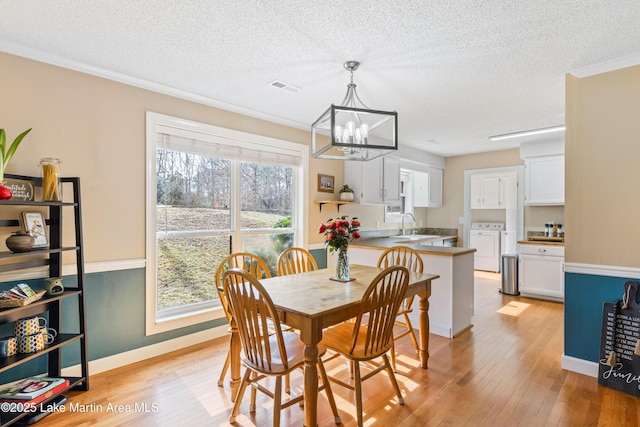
(451, 303)
(387, 242)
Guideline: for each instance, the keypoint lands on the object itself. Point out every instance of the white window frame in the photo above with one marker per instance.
(155, 122)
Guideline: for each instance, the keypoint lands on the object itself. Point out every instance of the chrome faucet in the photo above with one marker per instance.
(412, 217)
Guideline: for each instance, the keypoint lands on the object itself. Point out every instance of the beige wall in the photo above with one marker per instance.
(453, 187)
(602, 189)
(97, 127)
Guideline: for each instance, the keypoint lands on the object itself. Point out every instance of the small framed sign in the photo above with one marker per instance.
(34, 223)
(325, 183)
(20, 189)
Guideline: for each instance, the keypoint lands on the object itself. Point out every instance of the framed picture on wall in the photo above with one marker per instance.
(325, 183)
(34, 223)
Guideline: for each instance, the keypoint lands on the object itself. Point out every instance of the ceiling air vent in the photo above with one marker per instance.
(284, 86)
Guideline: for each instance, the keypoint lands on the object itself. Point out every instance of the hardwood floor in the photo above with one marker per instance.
(504, 371)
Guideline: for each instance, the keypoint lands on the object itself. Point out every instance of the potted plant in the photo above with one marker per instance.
(5, 156)
(346, 193)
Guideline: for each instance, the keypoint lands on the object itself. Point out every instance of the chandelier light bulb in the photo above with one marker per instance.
(364, 130)
(351, 131)
(338, 132)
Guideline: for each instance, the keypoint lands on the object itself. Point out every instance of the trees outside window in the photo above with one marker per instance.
(213, 196)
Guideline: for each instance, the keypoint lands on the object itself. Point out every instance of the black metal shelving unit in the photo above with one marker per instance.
(51, 257)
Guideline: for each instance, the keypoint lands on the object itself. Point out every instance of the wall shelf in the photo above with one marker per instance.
(333, 202)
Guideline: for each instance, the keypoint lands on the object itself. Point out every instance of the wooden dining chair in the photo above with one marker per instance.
(409, 258)
(295, 260)
(255, 266)
(266, 354)
(381, 302)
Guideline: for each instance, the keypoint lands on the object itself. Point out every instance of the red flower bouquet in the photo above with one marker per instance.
(340, 232)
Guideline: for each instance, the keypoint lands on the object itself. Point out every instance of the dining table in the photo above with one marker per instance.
(312, 301)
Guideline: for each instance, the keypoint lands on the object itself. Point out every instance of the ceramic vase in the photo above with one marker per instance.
(346, 196)
(20, 241)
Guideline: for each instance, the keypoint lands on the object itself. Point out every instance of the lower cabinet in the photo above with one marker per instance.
(451, 305)
(540, 271)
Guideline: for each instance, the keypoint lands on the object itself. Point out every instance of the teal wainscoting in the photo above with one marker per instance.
(321, 257)
(115, 312)
(584, 295)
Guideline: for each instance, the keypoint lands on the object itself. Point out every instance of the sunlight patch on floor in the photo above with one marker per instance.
(514, 308)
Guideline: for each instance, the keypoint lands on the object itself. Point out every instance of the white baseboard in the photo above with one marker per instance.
(580, 366)
(139, 354)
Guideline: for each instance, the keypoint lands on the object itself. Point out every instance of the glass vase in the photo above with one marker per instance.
(342, 267)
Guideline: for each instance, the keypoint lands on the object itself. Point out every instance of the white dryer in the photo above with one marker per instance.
(485, 239)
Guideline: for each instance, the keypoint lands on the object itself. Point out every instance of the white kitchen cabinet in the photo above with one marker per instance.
(376, 181)
(544, 180)
(435, 187)
(427, 188)
(540, 271)
(509, 188)
(487, 191)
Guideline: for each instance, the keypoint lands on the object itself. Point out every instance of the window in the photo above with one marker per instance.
(210, 192)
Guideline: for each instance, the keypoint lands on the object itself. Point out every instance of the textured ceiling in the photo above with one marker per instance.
(455, 71)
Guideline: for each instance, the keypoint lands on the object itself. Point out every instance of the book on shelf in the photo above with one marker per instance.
(29, 388)
(20, 291)
(27, 404)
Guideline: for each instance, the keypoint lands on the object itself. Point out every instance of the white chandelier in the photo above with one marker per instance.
(352, 130)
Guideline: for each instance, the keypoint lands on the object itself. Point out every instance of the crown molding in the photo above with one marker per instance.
(60, 61)
(604, 67)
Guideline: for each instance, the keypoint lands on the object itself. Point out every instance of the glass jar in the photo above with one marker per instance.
(51, 184)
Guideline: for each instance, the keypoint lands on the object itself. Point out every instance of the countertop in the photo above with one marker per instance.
(387, 242)
(539, 242)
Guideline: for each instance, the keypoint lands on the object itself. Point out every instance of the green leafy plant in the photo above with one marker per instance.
(346, 189)
(5, 156)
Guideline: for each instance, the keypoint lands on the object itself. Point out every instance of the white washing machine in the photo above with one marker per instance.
(485, 239)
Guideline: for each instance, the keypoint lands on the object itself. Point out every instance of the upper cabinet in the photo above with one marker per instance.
(427, 188)
(486, 191)
(543, 172)
(494, 191)
(544, 180)
(376, 181)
